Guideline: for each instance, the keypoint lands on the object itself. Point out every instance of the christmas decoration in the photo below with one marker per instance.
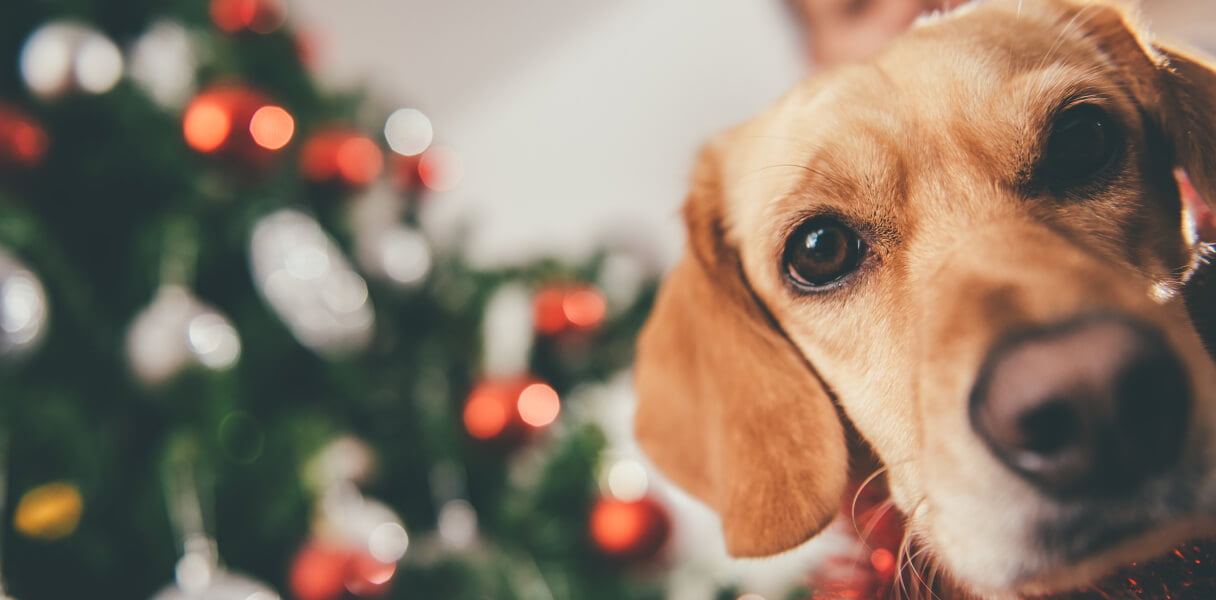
(49, 512)
(508, 409)
(258, 16)
(568, 308)
(341, 155)
(408, 132)
(177, 330)
(65, 56)
(308, 282)
(163, 61)
(23, 309)
(633, 530)
(131, 208)
(23, 142)
(238, 124)
(440, 169)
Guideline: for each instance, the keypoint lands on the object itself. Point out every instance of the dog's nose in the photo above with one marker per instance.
(1095, 405)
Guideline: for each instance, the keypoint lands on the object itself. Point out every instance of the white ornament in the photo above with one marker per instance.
(163, 62)
(199, 581)
(23, 309)
(364, 524)
(64, 56)
(178, 330)
(309, 283)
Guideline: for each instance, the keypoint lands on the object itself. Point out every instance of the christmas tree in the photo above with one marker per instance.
(204, 397)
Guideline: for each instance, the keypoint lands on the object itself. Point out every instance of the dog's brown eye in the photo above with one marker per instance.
(1084, 142)
(821, 251)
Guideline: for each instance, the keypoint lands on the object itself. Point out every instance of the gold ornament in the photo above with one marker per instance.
(49, 512)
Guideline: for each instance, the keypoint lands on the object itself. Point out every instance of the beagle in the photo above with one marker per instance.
(970, 257)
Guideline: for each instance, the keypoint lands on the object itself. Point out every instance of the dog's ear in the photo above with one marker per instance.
(1176, 87)
(728, 408)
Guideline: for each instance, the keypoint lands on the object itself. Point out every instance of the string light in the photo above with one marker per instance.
(408, 132)
(539, 405)
(206, 125)
(272, 127)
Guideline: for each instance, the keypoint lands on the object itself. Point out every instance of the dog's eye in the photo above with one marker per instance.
(1084, 142)
(821, 251)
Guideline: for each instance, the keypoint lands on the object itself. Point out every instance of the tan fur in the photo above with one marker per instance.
(928, 145)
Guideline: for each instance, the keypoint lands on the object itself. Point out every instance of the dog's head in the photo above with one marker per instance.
(969, 249)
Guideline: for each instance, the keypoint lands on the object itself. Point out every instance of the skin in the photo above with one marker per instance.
(929, 151)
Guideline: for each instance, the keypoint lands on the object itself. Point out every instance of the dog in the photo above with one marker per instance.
(970, 257)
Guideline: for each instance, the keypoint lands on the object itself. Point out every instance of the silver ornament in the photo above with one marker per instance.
(23, 309)
(66, 56)
(163, 62)
(178, 330)
(308, 282)
(351, 520)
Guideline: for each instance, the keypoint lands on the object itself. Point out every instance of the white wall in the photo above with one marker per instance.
(573, 118)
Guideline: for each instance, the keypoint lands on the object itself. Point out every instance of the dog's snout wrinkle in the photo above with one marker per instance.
(1092, 406)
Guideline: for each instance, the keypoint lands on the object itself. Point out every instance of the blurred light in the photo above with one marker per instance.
(485, 415)
(405, 255)
(61, 56)
(22, 307)
(457, 524)
(306, 262)
(345, 459)
(368, 577)
(163, 63)
(388, 542)
(241, 436)
(22, 140)
(751, 597)
(259, 16)
(550, 315)
(882, 560)
(617, 526)
(539, 405)
(214, 341)
(206, 125)
(359, 160)
(408, 131)
(49, 512)
(98, 64)
(272, 127)
(345, 292)
(440, 169)
(585, 307)
(627, 480)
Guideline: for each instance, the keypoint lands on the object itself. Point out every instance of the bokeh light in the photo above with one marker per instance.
(206, 125)
(440, 169)
(22, 141)
(405, 255)
(627, 480)
(242, 437)
(617, 526)
(388, 542)
(585, 307)
(359, 160)
(214, 340)
(49, 512)
(408, 131)
(258, 16)
(272, 127)
(485, 414)
(64, 55)
(538, 405)
(457, 524)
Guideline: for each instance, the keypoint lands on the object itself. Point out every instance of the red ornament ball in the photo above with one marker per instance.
(341, 155)
(634, 530)
(559, 309)
(327, 571)
(509, 409)
(258, 16)
(236, 123)
(23, 142)
(318, 572)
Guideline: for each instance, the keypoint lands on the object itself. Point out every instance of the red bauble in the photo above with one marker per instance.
(237, 124)
(23, 142)
(258, 16)
(634, 530)
(318, 572)
(326, 571)
(561, 309)
(343, 155)
(509, 409)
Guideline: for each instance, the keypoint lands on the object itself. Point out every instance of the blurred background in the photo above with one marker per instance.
(319, 300)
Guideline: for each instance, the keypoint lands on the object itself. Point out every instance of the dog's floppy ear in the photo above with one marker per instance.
(1176, 87)
(728, 408)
